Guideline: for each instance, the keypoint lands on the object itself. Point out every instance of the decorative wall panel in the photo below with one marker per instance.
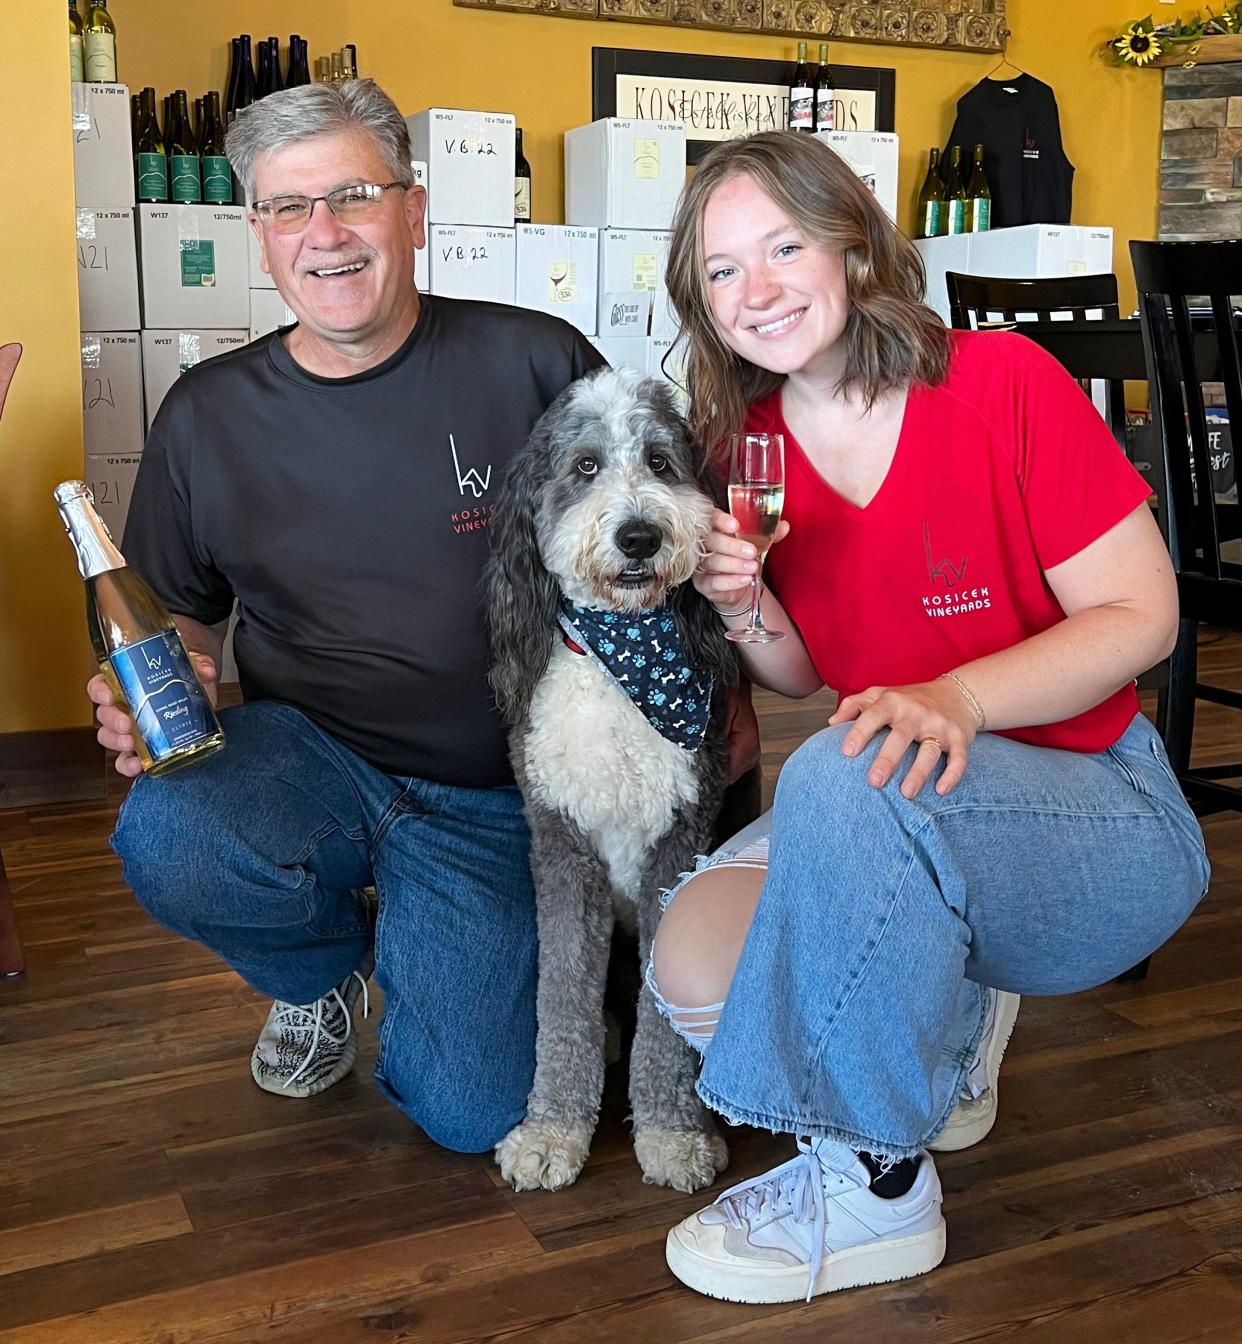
(971, 25)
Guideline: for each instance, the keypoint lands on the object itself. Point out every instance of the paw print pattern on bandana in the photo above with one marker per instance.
(645, 655)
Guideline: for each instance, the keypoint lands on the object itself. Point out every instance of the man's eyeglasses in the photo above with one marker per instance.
(351, 205)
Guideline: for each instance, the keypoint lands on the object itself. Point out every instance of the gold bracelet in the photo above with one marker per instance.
(981, 719)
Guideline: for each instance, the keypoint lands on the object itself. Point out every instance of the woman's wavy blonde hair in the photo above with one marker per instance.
(891, 338)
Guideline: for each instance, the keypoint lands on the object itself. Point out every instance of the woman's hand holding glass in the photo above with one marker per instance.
(727, 570)
(934, 714)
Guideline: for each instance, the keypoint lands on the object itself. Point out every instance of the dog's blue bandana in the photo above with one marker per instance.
(644, 653)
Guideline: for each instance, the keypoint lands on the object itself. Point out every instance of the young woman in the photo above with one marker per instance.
(969, 560)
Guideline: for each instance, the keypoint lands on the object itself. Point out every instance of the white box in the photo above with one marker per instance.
(112, 392)
(873, 156)
(111, 479)
(624, 174)
(631, 281)
(103, 164)
(195, 266)
(268, 311)
(469, 158)
(166, 355)
(258, 277)
(623, 352)
(948, 253)
(558, 272)
(422, 260)
(472, 263)
(668, 364)
(107, 271)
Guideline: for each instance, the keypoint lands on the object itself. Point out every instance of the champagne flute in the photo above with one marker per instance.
(756, 496)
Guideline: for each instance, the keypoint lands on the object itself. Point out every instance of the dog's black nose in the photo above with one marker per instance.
(638, 540)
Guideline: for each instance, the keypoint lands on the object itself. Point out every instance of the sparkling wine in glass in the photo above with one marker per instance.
(756, 497)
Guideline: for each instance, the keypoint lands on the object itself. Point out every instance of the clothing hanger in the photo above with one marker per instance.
(1005, 61)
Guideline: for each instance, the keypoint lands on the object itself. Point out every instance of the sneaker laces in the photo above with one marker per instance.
(794, 1189)
(310, 1016)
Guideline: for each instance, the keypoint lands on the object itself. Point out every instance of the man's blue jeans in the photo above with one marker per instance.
(257, 851)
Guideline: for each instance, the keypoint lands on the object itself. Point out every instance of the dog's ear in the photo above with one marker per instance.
(521, 599)
(706, 645)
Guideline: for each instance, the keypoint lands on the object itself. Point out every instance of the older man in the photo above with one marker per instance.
(334, 481)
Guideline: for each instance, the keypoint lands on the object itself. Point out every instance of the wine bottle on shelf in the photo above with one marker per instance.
(933, 218)
(77, 52)
(351, 61)
(299, 70)
(955, 193)
(99, 43)
(185, 183)
(167, 120)
(802, 94)
(273, 45)
(825, 93)
(217, 179)
(323, 70)
(263, 79)
(137, 646)
(150, 161)
(978, 197)
(133, 120)
(521, 184)
(337, 77)
(230, 89)
(245, 92)
(198, 126)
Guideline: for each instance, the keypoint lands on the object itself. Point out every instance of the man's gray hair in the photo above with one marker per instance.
(297, 114)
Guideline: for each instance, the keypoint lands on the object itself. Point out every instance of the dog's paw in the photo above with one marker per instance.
(685, 1159)
(543, 1154)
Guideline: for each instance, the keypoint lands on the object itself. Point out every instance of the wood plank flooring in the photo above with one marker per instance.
(151, 1194)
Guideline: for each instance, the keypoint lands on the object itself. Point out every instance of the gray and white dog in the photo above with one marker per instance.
(602, 510)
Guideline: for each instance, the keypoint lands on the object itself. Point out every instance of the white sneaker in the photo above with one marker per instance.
(305, 1048)
(810, 1226)
(971, 1120)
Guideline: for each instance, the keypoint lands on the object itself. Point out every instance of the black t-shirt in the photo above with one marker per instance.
(348, 519)
(1020, 131)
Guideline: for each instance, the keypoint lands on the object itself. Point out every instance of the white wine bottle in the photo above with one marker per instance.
(137, 646)
(100, 41)
(77, 55)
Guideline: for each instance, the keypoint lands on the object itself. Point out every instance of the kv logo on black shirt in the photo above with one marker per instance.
(478, 484)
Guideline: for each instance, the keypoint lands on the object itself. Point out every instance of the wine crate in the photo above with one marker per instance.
(166, 355)
(107, 270)
(623, 352)
(258, 278)
(666, 361)
(103, 169)
(268, 311)
(631, 281)
(472, 263)
(111, 478)
(558, 272)
(112, 392)
(873, 156)
(624, 174)
(470, 158)
(195, 266)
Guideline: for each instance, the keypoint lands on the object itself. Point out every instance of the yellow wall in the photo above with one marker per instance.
(427, 52)
(44, 656)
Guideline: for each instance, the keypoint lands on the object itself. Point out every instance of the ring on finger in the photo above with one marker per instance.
(933, 742)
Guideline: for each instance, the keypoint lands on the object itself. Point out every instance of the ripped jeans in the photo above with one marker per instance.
(858, 1001)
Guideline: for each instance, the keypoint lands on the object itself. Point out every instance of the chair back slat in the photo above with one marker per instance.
(973, 298)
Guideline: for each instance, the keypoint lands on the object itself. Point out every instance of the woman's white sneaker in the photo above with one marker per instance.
(971, 1120)
(810, 1226)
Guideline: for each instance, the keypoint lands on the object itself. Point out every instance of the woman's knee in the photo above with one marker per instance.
(700, 936)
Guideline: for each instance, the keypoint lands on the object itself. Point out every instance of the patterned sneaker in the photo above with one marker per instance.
(971, 1120)
(810, 1226)
(305, 1048)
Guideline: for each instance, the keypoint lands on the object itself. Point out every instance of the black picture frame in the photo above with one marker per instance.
(607, 63)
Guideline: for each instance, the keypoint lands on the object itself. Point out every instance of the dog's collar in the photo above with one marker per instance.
(571, 646)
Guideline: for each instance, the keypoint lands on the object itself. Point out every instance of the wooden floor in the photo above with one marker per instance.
(151, 1194)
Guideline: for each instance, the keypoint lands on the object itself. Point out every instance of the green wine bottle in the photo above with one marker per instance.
(77, 52)
(217, 179)
(185, 181)
(978, 197)
(150, 162)
(99, 46)
(933, 216)
(955, 192)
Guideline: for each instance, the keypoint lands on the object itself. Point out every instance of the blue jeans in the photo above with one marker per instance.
(857, 1003)
(257, 852)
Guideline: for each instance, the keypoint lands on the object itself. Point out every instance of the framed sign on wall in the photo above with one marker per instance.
(721, 97)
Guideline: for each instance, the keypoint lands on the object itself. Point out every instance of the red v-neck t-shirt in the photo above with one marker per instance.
(1002, 472)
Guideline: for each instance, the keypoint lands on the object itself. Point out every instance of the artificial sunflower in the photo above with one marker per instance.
(1138, 45)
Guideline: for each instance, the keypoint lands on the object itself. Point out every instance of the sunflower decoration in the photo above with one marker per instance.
(1138, 43)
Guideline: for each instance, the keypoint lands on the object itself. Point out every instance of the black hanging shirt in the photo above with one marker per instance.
(1016, 122)
(347, 518)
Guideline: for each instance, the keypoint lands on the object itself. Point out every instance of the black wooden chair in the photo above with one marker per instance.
(985, 301)
(1185, 296)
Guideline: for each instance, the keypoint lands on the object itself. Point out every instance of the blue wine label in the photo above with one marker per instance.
(169, 705)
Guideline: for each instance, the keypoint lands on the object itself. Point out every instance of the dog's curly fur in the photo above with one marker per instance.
(616, 811)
